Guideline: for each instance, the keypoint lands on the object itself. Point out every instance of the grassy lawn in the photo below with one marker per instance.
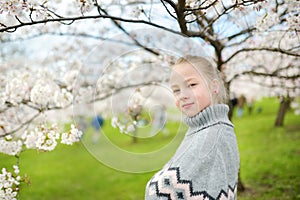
(269, 156)
(269, 162)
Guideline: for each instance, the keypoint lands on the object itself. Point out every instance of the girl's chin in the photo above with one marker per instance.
(190, 114)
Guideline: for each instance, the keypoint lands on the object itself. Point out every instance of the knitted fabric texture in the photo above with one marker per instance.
(205, 165)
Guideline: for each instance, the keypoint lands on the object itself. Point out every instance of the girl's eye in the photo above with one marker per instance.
(192, 84)
(175, 91)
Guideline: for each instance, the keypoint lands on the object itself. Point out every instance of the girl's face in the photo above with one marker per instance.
(190, 89)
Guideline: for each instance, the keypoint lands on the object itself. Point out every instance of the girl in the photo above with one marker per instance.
(206, 164)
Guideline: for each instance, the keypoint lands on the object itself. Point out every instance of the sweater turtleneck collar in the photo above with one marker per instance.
(209, 116)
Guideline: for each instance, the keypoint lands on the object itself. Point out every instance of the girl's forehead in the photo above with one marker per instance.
(185, 70)
(185, 73)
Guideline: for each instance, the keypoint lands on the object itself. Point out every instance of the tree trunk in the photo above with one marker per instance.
(231, 109)
(134, 137)
(240, 185)
(283, 107)
(230, 101)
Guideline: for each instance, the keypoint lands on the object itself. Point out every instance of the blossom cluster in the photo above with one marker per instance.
(296, 106)
(134, 109)
(18, 7)
(13, 7)
(274, 15)
(85, 5)
(39, 88)
(72, 136)
(9, 183)
(124, 127)
(10, 147)
(42, 138)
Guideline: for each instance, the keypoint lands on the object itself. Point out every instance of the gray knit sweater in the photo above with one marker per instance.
(205, 165)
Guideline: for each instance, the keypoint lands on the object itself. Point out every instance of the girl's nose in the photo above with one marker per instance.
(183, 96)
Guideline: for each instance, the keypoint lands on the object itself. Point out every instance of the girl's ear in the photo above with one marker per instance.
(215, 86)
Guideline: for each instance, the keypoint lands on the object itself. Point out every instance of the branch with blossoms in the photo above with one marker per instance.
(104, 94)
(133, 114)
(13, 28)
(32, 93)
(43, 138)
(24, 93)
(52, 33)
(9, 183)
(265, 65)
(270, 49)
(280, 78)
(43, 13)
(101, 10)
(186, 13)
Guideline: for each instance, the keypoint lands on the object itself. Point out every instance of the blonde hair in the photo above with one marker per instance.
(210, 74)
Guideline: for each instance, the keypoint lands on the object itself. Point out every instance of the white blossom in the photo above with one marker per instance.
(293, 22)
(30, 140)
(85, 5)
(122, 128)
(136, 12)
(296, 106)
(130, 128)
(72, 136)
(114, 122)
(16, 90)
(268, 20)
(11, 7)
(20, 8)
(3, 98)
(43, 92)
(62, 98)
(9, 183)
(70, 77)
(42, 138)
(10, 147)
(83, 95)
(47, 138)
(16, 169)
(33, 3)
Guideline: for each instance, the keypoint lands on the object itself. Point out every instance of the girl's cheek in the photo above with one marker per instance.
(177, 103)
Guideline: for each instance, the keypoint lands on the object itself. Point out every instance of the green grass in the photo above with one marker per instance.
(269, 161)
(269, 156)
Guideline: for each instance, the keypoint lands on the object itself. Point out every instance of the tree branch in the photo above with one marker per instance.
(21, 126)
(132, 38)
(274, 74)
(181, 16)
(273, 84)
(261, 49)
(172, 4)
(97, 99)
(245, 31)
(13, 28)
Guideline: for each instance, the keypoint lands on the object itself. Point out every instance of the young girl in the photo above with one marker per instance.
(206, 164)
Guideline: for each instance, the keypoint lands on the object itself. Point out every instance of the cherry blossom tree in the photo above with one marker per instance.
(230, 28)
(255, 40)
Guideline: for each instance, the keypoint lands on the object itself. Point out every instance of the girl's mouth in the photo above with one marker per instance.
(187, 105)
